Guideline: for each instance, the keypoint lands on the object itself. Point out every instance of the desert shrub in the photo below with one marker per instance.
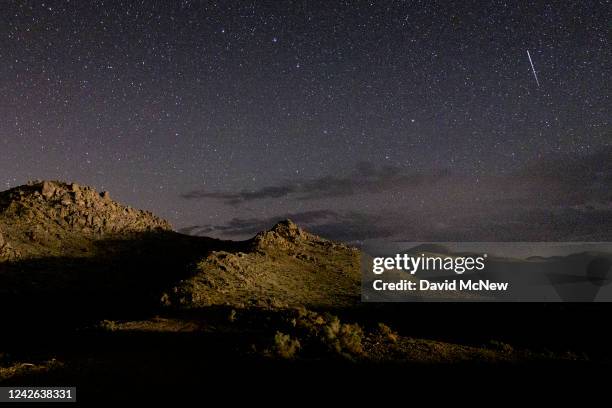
(308, 320)
(387, 333)
(332, 328)
(324, 333)
(108, 325)
(285, 346)
(342, 338)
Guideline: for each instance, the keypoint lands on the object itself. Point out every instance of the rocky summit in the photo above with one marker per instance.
(284, 266)
(47, 218)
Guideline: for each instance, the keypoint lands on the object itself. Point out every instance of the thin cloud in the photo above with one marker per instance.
(366, 178)
(253, 225)
(568, 198)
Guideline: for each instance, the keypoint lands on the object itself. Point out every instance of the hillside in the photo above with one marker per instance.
(280, 267)
(117, 295)
(52, 218)
(57, 236)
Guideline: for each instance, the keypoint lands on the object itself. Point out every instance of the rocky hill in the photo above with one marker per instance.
(57, 236)
(52, 218)
(285, 266)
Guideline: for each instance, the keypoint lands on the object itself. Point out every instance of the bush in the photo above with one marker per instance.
(285, 346)
(387, 333)
(344, 339)
(326, 333)
(108, 325)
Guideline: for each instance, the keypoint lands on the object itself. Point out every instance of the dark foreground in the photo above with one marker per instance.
(220, 349)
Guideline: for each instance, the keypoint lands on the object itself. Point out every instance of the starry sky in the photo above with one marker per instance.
(360, 120)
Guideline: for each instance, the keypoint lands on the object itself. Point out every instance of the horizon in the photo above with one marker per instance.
(371, 121)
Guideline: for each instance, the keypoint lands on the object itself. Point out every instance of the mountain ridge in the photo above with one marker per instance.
(52, 223)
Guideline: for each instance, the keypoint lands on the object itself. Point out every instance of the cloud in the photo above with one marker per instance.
(359, 226)
(574, 169)
(253, 225)
(494, 224)
(569, 180)
(565, 198)
(342, 226)
(366, 178)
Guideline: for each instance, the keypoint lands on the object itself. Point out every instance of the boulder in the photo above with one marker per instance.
(48, 189)
(66, 199)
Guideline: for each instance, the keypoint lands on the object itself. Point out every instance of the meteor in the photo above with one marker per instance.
(533, 69)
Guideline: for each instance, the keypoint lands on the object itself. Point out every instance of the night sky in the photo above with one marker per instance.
(403, 120)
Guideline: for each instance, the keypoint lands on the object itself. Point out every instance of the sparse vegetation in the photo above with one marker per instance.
(387, 332)
(344, 339)
(108, 325)
(326, 333)
(285, 346)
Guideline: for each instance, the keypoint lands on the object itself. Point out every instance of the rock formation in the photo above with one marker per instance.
(282, 266)
(49, 217)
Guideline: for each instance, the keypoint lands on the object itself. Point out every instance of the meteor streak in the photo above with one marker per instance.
(533, 69)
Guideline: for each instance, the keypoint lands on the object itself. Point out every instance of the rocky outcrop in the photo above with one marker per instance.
(77, 207)
(7, 252)
(288, 236)
(45, 217)
(282, 266)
